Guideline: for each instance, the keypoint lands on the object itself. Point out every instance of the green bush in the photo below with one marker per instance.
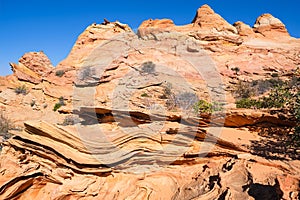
(278, 98)
(59, 73)
(203, 106)
(144, 95)
(246, 103)
(56, 106)
(21, 90)
(286, 96)
(59, 104)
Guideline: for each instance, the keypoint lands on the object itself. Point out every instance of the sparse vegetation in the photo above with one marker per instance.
(284, 95)
(186, 100)
(56, 106)
(169, 96)
(167, 91)
(246, 103)
(32, 103)
(203, 106)
(244, 89)
(59, 73)
(236, 70)
(86, 72)
(278, 97)
(21, 90)
(275, 75)
(59, 104)
(144, 95)
(71, 120)
(5, 126)
(148, 67)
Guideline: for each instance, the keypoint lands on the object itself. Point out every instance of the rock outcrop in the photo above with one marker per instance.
(32, 67)
(79, 162)
(116, 119)
(206, 26)
(269, 26)
(37, 62)
(206, 18)
(243, 29)
(93, 36)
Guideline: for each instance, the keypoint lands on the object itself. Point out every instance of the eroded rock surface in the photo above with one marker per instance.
(135, 135)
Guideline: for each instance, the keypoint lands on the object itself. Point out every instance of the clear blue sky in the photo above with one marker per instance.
(54, 25)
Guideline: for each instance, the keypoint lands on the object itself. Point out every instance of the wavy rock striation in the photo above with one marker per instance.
(135, 135)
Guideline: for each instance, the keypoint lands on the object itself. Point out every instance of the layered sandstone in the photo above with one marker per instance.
(270, 26)
(127, 130)
(32, 67)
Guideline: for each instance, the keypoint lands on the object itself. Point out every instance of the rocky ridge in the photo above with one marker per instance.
(133, 150)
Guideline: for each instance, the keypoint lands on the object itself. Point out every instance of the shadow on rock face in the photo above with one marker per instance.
(265, 192)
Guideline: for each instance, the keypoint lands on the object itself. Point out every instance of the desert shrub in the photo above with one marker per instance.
(148, 67)
(286, 96)
(294, 82)
(56, 106)
(169, 95)
(86, 72)
(144, 95)
(236, 70)
(294, 107)
(244, 90)
(186, 100)
(59, 73)
(277, 98)
(60, 103)
(21, 90)
(32, 103)
(5, 126)
(274, 75)
(203, 106)
(262, 86)
(168, 89)
(246, 103)
(71, 120)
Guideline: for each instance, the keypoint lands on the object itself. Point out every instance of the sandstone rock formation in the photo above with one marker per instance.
(93, 36)
(243, 29)
(270, 26)
(206, 18)
(66, 163)
(38, 62)
(124, 125)
(32, 67)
